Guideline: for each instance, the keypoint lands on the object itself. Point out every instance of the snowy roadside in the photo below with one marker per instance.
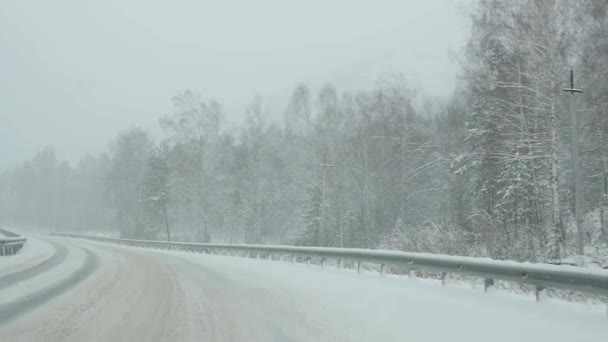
(75, 259)
(395, 308)
(34, 252)
(149, 294)
(462, 280)
(108, 234)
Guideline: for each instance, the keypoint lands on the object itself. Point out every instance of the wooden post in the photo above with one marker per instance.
(578, 194)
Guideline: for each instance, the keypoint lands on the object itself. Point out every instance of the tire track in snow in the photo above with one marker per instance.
(14, 309)
(57, 258)
(130, 297)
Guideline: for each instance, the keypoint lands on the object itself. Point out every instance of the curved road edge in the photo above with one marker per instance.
(16, 308)
(57, 258)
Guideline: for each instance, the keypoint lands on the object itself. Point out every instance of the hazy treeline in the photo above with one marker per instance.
(487, 172)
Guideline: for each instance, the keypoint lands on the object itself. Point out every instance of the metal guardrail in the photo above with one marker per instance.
(11, 244)
(541, 276)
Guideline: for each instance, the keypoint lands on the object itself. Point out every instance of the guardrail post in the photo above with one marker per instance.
(538, 292)
(487, 283)
(293, 258)
(381, 270)
(358, 267)
(444, 278)
(322, 262)
(411, 273)
(339, 263)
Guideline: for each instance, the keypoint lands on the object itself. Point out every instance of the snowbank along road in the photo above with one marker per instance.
(62, 289)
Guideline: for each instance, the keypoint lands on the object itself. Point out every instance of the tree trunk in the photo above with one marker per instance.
(578, 180)
(557, 225)
(323, 230)
(604, 201)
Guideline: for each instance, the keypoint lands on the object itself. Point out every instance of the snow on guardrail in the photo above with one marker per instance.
(11, 244)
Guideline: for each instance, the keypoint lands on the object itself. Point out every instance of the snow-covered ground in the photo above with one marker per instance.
(351, 307)
(34, 252)
(46, 279)
(151, 295)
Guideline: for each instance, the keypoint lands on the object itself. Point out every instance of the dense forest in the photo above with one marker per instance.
(487, 172)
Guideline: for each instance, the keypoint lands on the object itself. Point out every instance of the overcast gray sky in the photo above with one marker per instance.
(74, 72)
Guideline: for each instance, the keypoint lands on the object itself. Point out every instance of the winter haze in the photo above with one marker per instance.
(74, 72)
(327, 171)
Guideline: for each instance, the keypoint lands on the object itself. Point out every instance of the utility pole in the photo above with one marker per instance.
(578, 194)
(324, 166)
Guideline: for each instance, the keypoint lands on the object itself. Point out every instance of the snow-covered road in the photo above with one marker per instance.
(149, 295)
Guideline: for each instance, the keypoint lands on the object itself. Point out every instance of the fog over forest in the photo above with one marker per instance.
(393, 163)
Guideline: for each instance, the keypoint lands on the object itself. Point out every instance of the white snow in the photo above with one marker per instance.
(374, 308)
(74, 260)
